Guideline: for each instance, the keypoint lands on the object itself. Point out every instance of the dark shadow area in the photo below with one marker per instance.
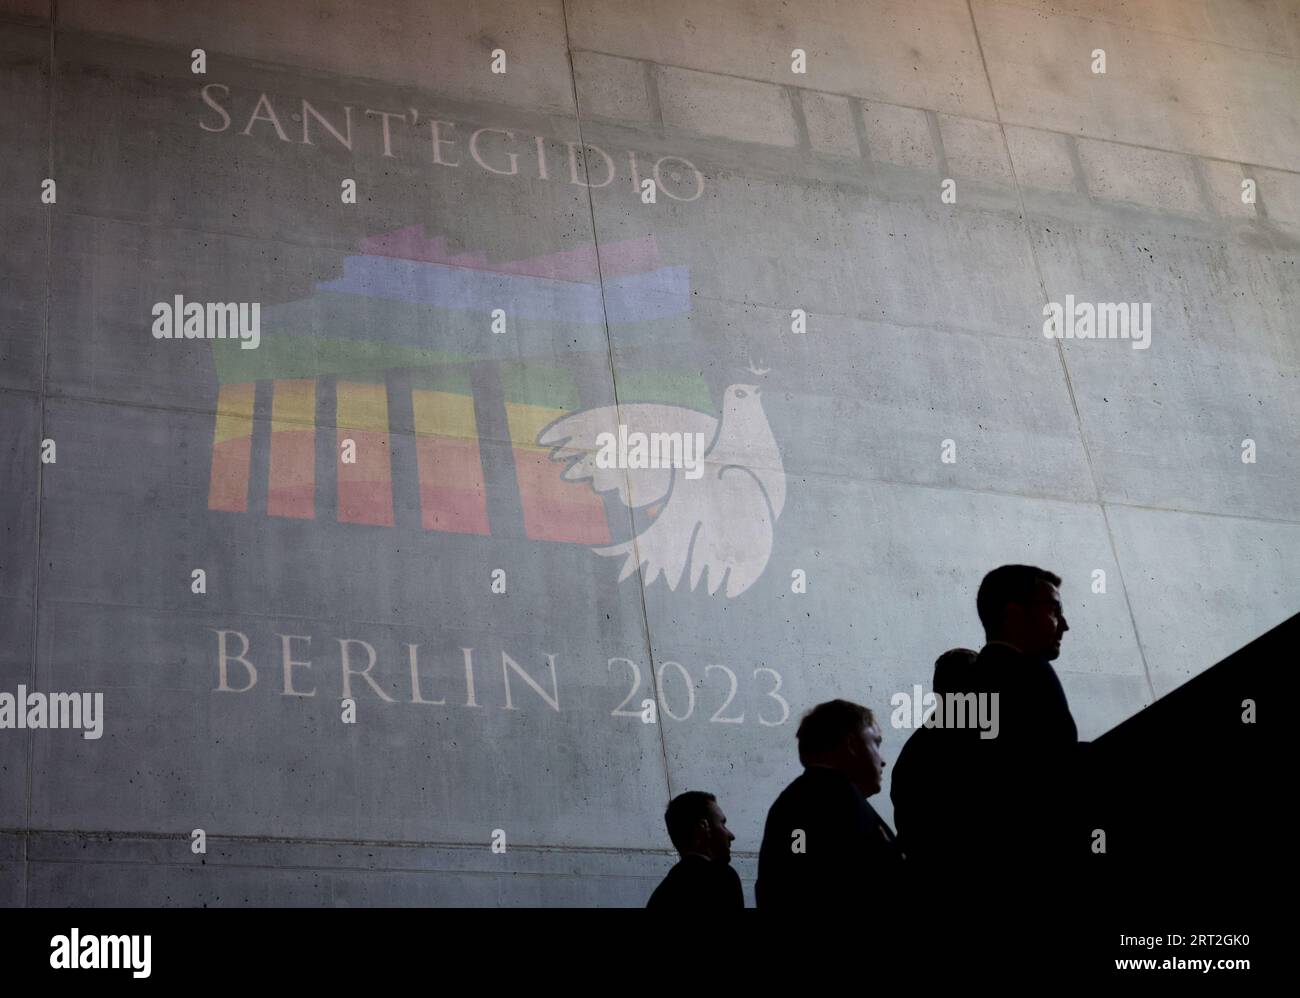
(1188, 791)
(1190, 795)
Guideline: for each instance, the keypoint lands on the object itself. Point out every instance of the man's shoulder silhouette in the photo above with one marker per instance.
(822, 842)
(1031, 700)
(936, 778)
(820, 797)
(698, 883)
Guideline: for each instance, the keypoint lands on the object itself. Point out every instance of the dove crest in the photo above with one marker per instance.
(719, 524)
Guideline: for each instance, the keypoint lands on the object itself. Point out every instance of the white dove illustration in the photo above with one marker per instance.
(721, 523)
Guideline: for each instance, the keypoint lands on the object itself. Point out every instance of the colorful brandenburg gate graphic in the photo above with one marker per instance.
(409, 304)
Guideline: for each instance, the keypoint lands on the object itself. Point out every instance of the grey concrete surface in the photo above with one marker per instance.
(775, 191)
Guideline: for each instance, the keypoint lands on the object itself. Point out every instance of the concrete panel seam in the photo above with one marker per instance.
(1065, 369)
(1203, 188)
(855, 100)
(772, 83)
(1128, 602)
(259, 471)
(1261, 202)
(361, 843)
(649, 876)
(1076, 162)
(996, 120)
(651, 71)
(327, 474)
(795, 96)
(40, 476)
(143, 219)
(936, 137)
(532, 109)
(860, 128)
(1136, 145)
(328, 76)
(613, 378)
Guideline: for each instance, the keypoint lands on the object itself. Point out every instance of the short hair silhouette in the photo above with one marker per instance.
(825, 726)
(949, 669)
(1008, 584)
(685, 811)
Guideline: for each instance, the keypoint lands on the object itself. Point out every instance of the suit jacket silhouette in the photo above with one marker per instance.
(699, 884)
(849, 852)
(1000, 804)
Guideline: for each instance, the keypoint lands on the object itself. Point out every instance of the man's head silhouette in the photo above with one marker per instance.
(698, 827)
(952, 670)
(1020, 605)
(843, 736)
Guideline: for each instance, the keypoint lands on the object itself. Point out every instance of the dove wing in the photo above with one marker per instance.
(573, 439)
(734, 533)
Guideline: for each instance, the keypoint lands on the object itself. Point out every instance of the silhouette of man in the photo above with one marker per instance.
(999, 805)
(703, 879)
(951, 669)
(824, 845)
(919, 787)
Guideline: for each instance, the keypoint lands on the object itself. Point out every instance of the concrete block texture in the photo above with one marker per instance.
(1042, 160)
(39, 9)
(1272, 26)
(900, 135)
(1196, 612)
(20, 446)
(734, 108)
(15, 668)
(1165, 424)
(239, 547)
(919, 52)
(24, 114)
(283, 873)
(1140, 176)
(830, 123)
(24, 263)
(610, 87)
(439, 47)
(1177, 92)
(20, 434)
(1281, 194)
(1224, 185)
(975, 149)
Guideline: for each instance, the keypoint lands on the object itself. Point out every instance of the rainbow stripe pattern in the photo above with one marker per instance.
(427, 312)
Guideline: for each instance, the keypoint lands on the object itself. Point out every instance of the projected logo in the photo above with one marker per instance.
(406, 329)
(720, 522)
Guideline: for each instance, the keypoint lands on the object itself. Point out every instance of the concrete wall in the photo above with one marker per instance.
(776, 191)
